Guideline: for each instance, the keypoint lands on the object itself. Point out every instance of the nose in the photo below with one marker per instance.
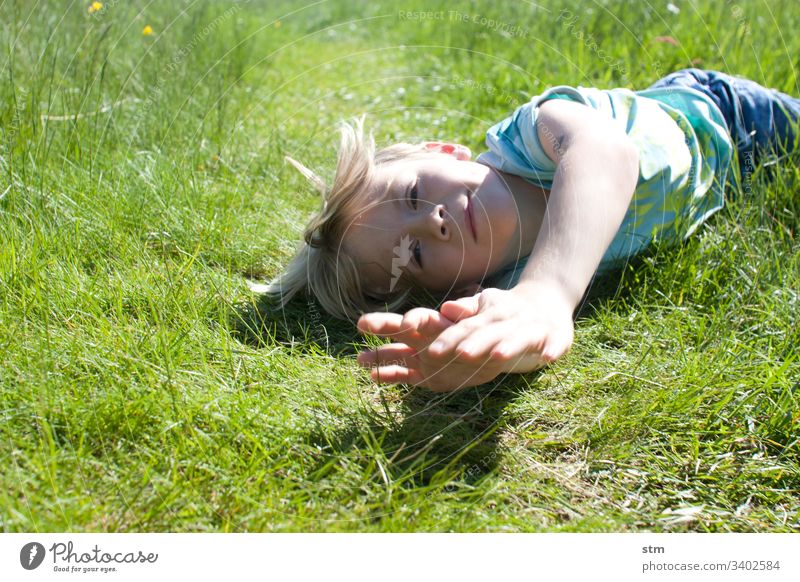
(434, 223)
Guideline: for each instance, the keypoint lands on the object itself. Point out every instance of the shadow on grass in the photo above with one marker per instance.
(607, 288)
(301, 324)
(421, 437)
(410, 437)
(416, 439)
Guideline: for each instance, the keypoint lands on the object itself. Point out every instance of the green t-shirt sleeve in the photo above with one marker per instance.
(514, 145)
(684, 153)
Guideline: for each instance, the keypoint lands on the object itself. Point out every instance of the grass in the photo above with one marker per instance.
(143, 388)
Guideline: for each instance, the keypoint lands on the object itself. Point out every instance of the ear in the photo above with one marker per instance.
(459, 151)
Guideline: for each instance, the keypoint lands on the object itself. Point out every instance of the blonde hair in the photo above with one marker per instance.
(320, 264)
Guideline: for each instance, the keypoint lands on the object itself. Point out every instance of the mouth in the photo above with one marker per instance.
(469, 217)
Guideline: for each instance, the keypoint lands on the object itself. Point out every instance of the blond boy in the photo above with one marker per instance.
(575, 181)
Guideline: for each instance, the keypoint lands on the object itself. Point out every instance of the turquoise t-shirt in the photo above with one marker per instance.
(684, 154)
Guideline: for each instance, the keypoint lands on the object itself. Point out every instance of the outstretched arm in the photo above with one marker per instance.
(596, 174)
(524, 328)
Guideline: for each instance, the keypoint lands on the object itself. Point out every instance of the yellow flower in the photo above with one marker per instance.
(277, 24)
(147, 30)
(95, 7)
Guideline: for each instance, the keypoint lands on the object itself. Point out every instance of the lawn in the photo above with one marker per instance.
(142, 184)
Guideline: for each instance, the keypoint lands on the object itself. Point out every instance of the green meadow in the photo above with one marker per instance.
(143, 183)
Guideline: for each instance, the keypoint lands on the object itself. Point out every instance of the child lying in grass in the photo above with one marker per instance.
(575, 181)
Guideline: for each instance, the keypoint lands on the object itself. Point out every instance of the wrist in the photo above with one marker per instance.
(554, 290)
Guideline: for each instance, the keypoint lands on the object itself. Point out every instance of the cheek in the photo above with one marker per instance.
(501, 210)
(461, 266)
(447, 266)
(453, 255)
(503, 223)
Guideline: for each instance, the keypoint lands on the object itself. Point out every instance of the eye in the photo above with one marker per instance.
(413, 195)
(418, 254)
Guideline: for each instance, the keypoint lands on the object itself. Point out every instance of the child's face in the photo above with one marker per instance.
(445, 223)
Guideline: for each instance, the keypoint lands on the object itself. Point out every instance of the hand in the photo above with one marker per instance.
(409, 361)
(472, 340)
(527, 327)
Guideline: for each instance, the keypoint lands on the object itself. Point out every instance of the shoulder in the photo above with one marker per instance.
(561, 123)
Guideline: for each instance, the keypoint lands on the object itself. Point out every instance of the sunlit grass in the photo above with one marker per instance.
(142, 182)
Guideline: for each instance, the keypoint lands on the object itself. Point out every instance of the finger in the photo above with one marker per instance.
(447, 341)
(532, 353)
(428, 322)
(395, 374)
(388, 325)
(460, 308)
(548, 345)
(385, 355)
(379, 323)
(479, 344)
(447, 380)
(558, 345)
(522, 354)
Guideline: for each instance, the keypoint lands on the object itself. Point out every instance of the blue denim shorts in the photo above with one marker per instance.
(762, 121)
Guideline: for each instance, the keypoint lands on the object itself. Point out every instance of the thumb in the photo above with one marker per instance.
(460, 308)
